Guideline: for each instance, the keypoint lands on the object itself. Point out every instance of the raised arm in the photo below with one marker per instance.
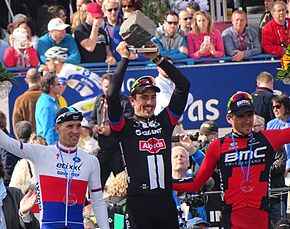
(113, 99)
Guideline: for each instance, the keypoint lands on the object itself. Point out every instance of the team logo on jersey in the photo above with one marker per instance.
(152, 145)
(257, 154)
(76, 159)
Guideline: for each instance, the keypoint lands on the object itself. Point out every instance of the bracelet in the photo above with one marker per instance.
(158, 59)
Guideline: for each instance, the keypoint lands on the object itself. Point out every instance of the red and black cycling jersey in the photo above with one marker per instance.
(222, 154)
(146, 143)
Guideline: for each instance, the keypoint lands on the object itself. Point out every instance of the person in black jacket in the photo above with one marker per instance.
(146, 142)
(262, 97)
(109, 154)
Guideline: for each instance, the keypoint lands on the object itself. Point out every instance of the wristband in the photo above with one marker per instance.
(158, 59)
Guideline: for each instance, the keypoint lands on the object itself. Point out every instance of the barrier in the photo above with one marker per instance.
(211, 86)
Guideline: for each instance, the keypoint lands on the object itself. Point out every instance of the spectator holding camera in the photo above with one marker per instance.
(208, 132)
(21, 52)
(203, 40)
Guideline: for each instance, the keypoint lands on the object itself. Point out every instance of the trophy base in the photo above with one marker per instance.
(143, 50)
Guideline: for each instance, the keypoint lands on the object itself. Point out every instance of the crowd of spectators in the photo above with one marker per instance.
(91, 33)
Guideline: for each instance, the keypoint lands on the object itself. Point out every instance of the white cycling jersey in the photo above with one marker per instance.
(62, 199)
(85, 82)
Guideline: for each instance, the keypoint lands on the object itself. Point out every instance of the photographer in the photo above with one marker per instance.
(180, 163)
(208, 131)
(20, 53)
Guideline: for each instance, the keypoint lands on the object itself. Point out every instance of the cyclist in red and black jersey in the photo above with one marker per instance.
(146, 143)
(243, 159)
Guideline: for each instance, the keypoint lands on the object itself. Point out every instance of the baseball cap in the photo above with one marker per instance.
(68, 114)
(240, 103)
(208, 126)
(142, 83)
(196, 221)
(95, 10)
(56, 24)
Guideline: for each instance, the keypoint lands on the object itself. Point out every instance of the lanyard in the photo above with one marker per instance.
(283, 41)
(241, 39)
(68, 182)
(246, 175)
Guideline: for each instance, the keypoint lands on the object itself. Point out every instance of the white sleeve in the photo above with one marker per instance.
(32, 152)
(95, 188)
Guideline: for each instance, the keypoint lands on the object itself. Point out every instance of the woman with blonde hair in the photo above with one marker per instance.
(24, 173)
(204, 41)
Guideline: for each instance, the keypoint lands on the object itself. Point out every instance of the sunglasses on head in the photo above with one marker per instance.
(129, 6)
(278, 106)
(144, 80)
(110, 10)
(187, 18)
(172, 22)
(240, 96)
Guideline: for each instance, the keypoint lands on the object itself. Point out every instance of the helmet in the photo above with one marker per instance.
(56, 53)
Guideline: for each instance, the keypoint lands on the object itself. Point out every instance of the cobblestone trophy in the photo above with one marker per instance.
(137, 30)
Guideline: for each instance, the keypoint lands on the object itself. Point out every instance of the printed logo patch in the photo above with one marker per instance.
(152, 145)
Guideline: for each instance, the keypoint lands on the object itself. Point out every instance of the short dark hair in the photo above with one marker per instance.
(283, 100)
(170, 12)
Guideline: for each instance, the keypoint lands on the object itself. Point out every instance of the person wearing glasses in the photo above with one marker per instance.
(275, 37)
(64, 173)
(185, 21)
(281, 109)
(93, 41)
(170, 39)
(46, 108)
(240, 41)
(204, 41)
(146, 142)
(243, 159)
(130, 6)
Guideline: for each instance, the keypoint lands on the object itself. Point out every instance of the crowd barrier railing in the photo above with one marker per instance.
(186, 61)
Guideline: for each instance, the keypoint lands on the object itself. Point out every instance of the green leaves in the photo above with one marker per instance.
(5, 76)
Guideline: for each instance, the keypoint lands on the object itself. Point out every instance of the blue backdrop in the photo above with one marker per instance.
(211, 87)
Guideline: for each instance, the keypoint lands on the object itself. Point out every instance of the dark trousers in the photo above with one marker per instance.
(151, 211)
(110, 161)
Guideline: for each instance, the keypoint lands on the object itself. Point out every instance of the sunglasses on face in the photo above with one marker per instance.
(172, 22)
(127, 6)
(110, 10)
(187, 18)
(240, 96)
(278, 106)
(145, 80)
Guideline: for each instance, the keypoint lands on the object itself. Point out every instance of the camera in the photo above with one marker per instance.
(192, 137)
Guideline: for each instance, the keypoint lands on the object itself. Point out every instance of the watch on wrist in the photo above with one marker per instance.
(158, 59)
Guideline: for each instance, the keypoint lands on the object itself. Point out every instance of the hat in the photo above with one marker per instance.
(56, 24)
(142, 83)
(68, 114)
(23, 130)
(95, 10)
(196, 221)
(240, 103)
(208, 127)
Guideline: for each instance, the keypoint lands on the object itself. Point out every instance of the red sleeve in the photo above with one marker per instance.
(33, 56)
(191, 47)
(277, 138)
(206, 170)
(10, 57)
